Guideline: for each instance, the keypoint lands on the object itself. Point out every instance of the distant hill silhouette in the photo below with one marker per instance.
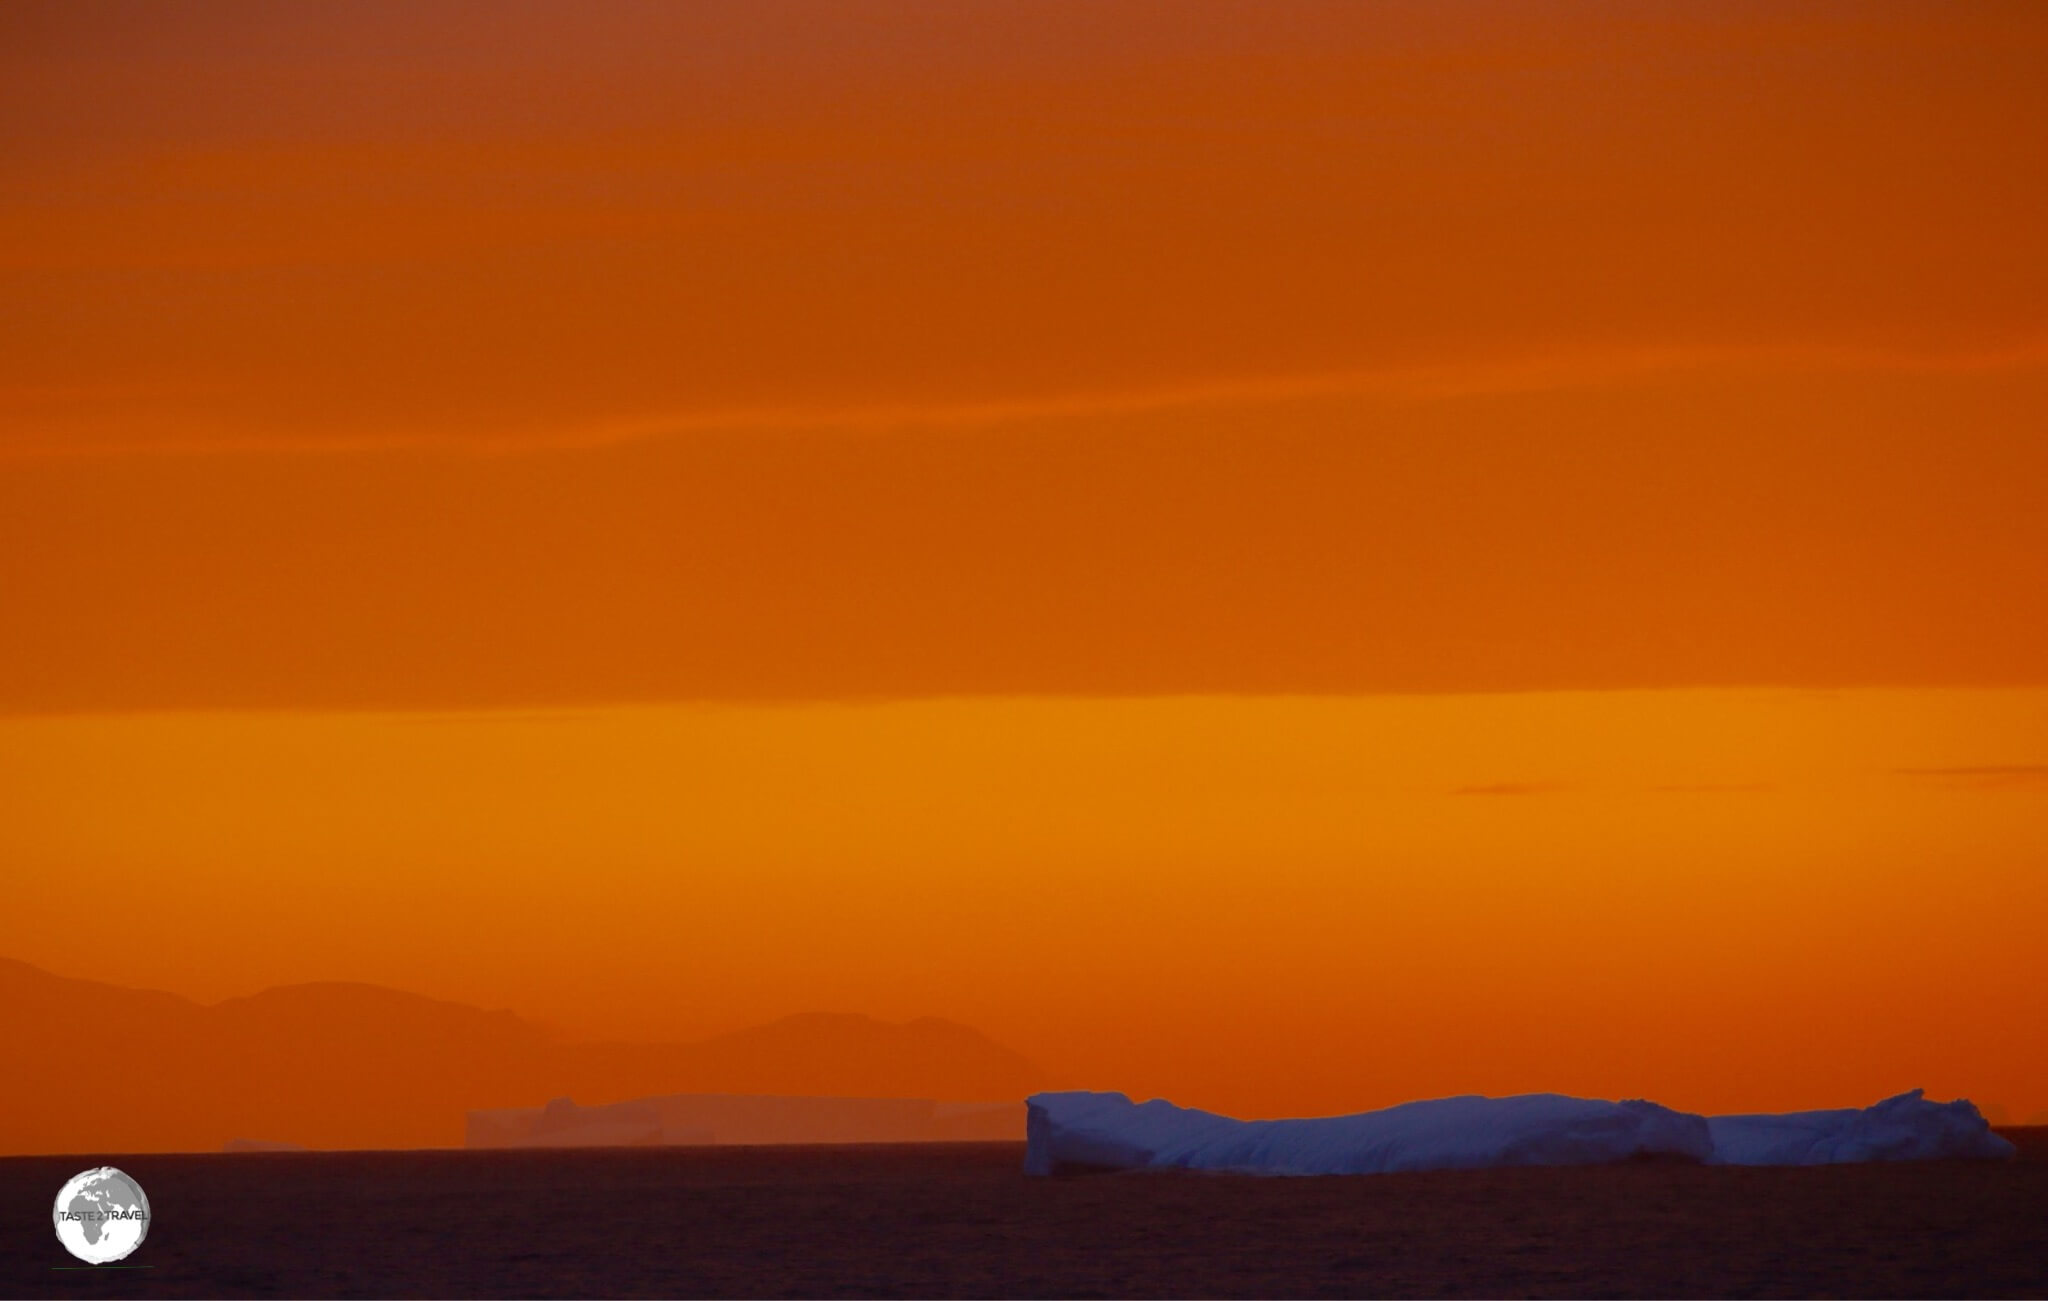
(102, 1068)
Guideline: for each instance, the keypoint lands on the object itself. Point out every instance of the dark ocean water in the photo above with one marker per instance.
(960, 1220)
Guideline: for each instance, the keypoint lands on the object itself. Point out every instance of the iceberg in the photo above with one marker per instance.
(260, 1145)
(1905, 1128)
(1107, 1131)
(704, 1119)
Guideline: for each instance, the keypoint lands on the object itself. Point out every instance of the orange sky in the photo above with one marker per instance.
(1035, 513)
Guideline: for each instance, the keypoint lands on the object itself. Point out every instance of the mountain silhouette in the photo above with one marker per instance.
(104, 1068)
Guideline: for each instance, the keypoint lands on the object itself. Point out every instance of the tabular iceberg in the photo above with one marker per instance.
(1905, 1128)
(1109, 1131)
(704, 1119)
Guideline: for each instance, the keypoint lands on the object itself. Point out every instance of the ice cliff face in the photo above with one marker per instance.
(1109, 1131)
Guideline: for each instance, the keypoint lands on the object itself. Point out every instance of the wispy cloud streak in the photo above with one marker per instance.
(1422, 382)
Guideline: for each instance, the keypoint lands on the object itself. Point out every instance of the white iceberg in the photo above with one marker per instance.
(1905, 1128)
(1108, 1131)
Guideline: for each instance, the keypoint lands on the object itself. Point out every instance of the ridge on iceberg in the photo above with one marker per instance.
(1107, 1131)
(1905, 1128)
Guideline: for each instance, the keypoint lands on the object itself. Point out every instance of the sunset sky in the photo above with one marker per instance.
(1285, 556)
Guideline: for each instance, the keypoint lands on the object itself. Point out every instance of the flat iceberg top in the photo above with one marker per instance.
(1109, 1131)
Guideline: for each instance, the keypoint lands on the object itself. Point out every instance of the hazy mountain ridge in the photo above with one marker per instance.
(335, 1064)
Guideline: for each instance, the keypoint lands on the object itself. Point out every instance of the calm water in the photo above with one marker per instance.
(960, 1220)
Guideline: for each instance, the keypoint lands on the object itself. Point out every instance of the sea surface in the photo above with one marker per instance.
(961, 1220)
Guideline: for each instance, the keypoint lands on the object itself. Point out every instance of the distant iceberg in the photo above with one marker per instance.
(564, 1124)
(705, 1119)
(1107, 1131)
(259, 1145)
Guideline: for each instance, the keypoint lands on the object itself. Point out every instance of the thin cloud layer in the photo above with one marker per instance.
(434, 225)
